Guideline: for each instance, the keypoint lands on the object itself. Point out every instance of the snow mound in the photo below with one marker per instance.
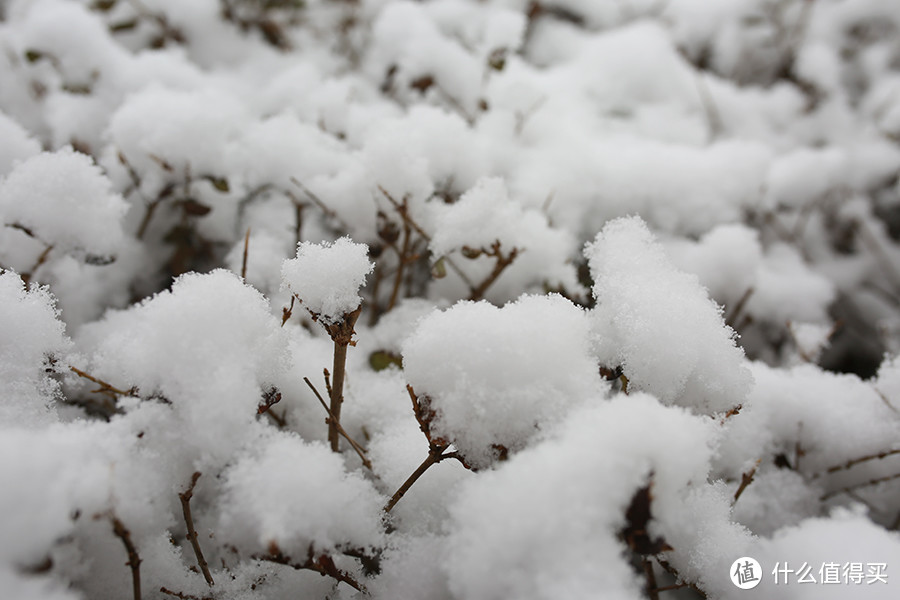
(659, 324)
(498, 376)
(327, 277)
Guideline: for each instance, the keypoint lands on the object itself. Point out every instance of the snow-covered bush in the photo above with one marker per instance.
(449, 299)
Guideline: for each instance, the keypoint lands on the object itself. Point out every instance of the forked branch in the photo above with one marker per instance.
(185, 498)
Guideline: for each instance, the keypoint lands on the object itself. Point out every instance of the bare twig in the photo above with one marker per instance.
(652, 589)
(246, 254)
(317, 201)
(502, 261)
(435, 455)
(287, 311)
(855, 486)
(437, 449)
(322, 564)
(182, 595)
(342, 335)
(191, 531)
(746, 480)
(739, 307)
(407, 218)
(359, 450)
(148, 216)
(874, 243)
(856, 461)
(713, 116)
(26, 277)
(134, 559)
(674, 572)
(104, 388)
(402, 259)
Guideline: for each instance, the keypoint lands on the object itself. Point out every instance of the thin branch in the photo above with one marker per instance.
(435, 456)
(26, 277)
(850, 488)
(322, 564)
(652, 590)
(134, 559)
(404, 214)
(246, 254)
(674, 572)
(148, 216)
(342, 335)
(499, 266)
(287, 311)
(402, 258)
(871, 240)
(104, 388)
(713, 116)
(191, 531)
(739, 307)
(182, 595)
(317, 201)
(856, 461)
(359, 450)
(746, 480)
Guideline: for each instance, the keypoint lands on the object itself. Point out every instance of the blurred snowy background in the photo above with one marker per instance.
(638, 262)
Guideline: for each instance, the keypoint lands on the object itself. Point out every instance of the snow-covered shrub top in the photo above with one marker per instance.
(65, 200)
(326, 277)
(498, 376)
(578, 483)
(30, 336)
(215, 380)
(313, 502)
(659, 325)
(17, 144)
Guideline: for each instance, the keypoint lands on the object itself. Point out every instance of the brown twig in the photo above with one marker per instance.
(342, 335)
(435, 455)
(287, 311)
(746, 480)
(26, 277)
(713, 116)
(134, 559)
(674, 572)
(407, 218)
(104, 388)
(739, 307)
(182, 595)
(359, 450)
(191, 531)
(322, 564)
(855, 486)
(856, 461)
(246, 254)
(317, 201)
(502, 261)
(652, 590)
(402, 259)
(437, 449)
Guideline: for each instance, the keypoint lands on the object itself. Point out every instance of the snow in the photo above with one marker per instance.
(66, 201)
(214, 383)
(659, 325)
(324, 507)
(540, 525)
(18, 144)
(326, 277)
(30, 334)
(505, 373)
